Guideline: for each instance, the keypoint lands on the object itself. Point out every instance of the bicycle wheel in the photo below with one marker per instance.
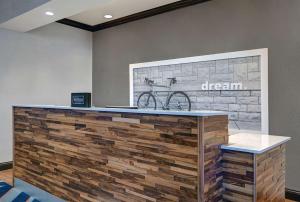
(146, 101)
(179, 101)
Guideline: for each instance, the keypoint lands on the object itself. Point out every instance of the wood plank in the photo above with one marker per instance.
(249, 177)
(238, 176)
(270, 175)
(214, 134)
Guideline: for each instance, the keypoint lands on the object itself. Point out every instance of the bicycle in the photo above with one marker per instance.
(175, 100)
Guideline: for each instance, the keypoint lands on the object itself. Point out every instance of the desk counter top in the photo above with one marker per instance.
(137, 111)
(254, 143)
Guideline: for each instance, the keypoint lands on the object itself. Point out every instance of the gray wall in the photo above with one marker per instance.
(41, 67)
(12, 8)
(212, 27)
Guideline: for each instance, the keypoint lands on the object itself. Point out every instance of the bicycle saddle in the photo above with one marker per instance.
(173, 80)
(147, 80)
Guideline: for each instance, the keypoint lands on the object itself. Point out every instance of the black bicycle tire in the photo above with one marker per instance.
(183, 93)
(150, 95)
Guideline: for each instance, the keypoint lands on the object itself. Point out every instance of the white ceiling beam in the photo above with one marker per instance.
(61, 9)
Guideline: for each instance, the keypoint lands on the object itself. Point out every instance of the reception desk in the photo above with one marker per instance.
(102, 154)
(106, 154)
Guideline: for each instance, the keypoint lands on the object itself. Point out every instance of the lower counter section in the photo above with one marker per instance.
(95, 156)
(254, 177)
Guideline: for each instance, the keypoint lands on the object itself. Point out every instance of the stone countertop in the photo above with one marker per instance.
(137, 111)
(254, 143)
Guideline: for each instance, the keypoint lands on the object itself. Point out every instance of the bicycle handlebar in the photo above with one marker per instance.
(151, 82)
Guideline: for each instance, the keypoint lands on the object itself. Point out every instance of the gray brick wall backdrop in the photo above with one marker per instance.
(243, 103)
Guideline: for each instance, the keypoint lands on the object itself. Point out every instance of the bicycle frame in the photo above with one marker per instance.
(155, 93)
(163, 103)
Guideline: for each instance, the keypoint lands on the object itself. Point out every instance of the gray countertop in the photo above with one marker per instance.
(137, 111)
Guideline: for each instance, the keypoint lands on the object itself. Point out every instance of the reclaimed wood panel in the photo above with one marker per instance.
(270, 175)
(94, 156)
(251, 177)
(238, 174)
(214, 134)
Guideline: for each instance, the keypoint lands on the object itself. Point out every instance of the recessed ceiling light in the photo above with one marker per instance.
(108, 16)
(49, 13)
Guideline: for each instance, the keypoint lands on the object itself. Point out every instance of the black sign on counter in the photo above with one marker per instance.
(81, 99)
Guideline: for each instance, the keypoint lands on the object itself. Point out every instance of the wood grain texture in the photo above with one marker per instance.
(6, 176)
(251, 177)
(214, 133)
(238, 173)
(94, 156)
(270, 175)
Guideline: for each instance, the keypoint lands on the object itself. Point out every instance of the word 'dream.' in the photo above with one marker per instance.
(222, 86)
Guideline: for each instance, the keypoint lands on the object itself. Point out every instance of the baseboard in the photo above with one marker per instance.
(292, 194)
(6, 165)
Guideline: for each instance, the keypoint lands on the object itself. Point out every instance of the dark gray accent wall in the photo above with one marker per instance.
(213, 27)
(12, 8)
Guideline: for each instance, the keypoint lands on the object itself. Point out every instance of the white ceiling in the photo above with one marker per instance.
(61, 8)
(118, 9)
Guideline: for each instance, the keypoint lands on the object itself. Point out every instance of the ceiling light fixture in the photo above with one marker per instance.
(108, 16)
(49, 13)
